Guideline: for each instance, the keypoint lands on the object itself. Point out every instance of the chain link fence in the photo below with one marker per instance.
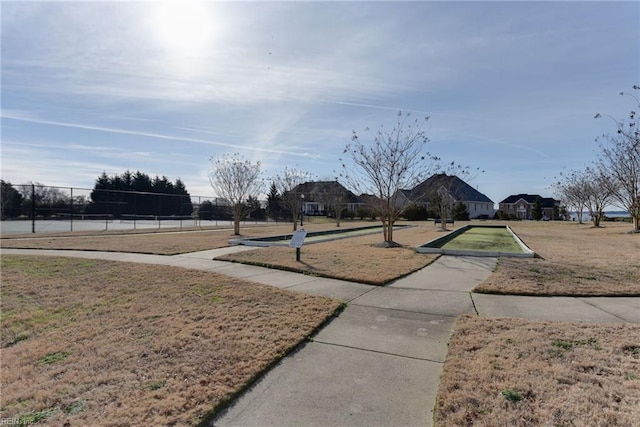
(34, 208)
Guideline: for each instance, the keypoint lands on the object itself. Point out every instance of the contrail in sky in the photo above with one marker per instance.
(147, 134)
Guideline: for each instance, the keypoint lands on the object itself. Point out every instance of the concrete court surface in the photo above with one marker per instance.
(377, 364)
(380, 361)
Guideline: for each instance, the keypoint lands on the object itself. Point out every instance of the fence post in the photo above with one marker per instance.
(135, 209)
(106, 217)
(33, 208)
(71, 210)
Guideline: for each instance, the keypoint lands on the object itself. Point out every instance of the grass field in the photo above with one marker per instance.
(81, 339)
(511, 372)
(101, 343)
(484, 239)
(356, 259)
(574, 260)
(158, 242)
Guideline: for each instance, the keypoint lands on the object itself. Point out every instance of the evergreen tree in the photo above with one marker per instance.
(256, 211)
(413, 212)
(206, 210)
(142, 182)
(459, 212)
(274, 203)
(132, 194)
(10, 201)
(536, 212)
(185, 205)
(127, 181)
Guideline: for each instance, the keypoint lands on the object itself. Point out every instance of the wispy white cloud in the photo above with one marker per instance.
(52, 167)
(507, 84)
(54, 146)
(249, 148)
(96, 61)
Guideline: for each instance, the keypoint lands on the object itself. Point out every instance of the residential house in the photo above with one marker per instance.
(521, 206)
(321, 197)
(451, 187)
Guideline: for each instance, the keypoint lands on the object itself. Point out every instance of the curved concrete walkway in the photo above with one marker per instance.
(380, 361)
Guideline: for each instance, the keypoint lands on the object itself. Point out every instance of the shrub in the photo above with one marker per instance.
(460, 213)
(511, 395)
(347, 214)
(365, 212)
(415, 213)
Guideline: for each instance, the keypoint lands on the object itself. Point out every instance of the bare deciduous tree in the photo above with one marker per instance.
(440, 190)
(619, 163)
(334, 198)
(569, 189)
(392, 160)
(596, 194)
(586, 188)
(338, 202)
(235, 179)
(286, 182)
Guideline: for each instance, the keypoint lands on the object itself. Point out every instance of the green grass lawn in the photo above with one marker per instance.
(484, 239)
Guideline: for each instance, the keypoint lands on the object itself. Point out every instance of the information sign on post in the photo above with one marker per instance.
(297, 240)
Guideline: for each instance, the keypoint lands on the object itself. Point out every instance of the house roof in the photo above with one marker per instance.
(547, 202)
(314, 189)
(457, 188)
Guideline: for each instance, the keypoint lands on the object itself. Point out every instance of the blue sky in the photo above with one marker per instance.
(510, 87)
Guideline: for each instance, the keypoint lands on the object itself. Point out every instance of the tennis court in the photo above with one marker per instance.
(104, 224)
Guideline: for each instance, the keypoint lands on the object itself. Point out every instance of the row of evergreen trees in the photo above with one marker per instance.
(118, 195)
(138, 194)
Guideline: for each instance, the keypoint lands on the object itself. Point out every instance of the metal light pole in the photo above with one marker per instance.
(301, 210)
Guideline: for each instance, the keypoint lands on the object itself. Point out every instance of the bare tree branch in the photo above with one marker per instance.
(235, 179)
(286, 182)
(619, 163)
(390, 161)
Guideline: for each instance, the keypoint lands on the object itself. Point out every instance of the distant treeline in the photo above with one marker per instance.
(116, 196)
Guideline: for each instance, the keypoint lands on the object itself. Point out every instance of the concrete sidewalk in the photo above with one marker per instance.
(380, 361)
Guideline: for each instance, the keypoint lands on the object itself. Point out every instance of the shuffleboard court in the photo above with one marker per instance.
(315, 237)
(484, 239)
(479, 240)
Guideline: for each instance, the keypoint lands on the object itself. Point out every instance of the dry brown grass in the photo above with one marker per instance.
(577, 260)
(356, 259)
(160, 242)
(574, 374)
(103, 343)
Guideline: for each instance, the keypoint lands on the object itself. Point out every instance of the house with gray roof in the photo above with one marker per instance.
(322, 197)
(521, 205)
(455, 189)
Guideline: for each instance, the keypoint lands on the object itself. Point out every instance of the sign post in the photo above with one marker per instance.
(297, 240)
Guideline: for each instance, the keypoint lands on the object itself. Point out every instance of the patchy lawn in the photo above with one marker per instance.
(513, 372)
(355, 259)
(159, 243)
(103, 343)
(577, 260)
